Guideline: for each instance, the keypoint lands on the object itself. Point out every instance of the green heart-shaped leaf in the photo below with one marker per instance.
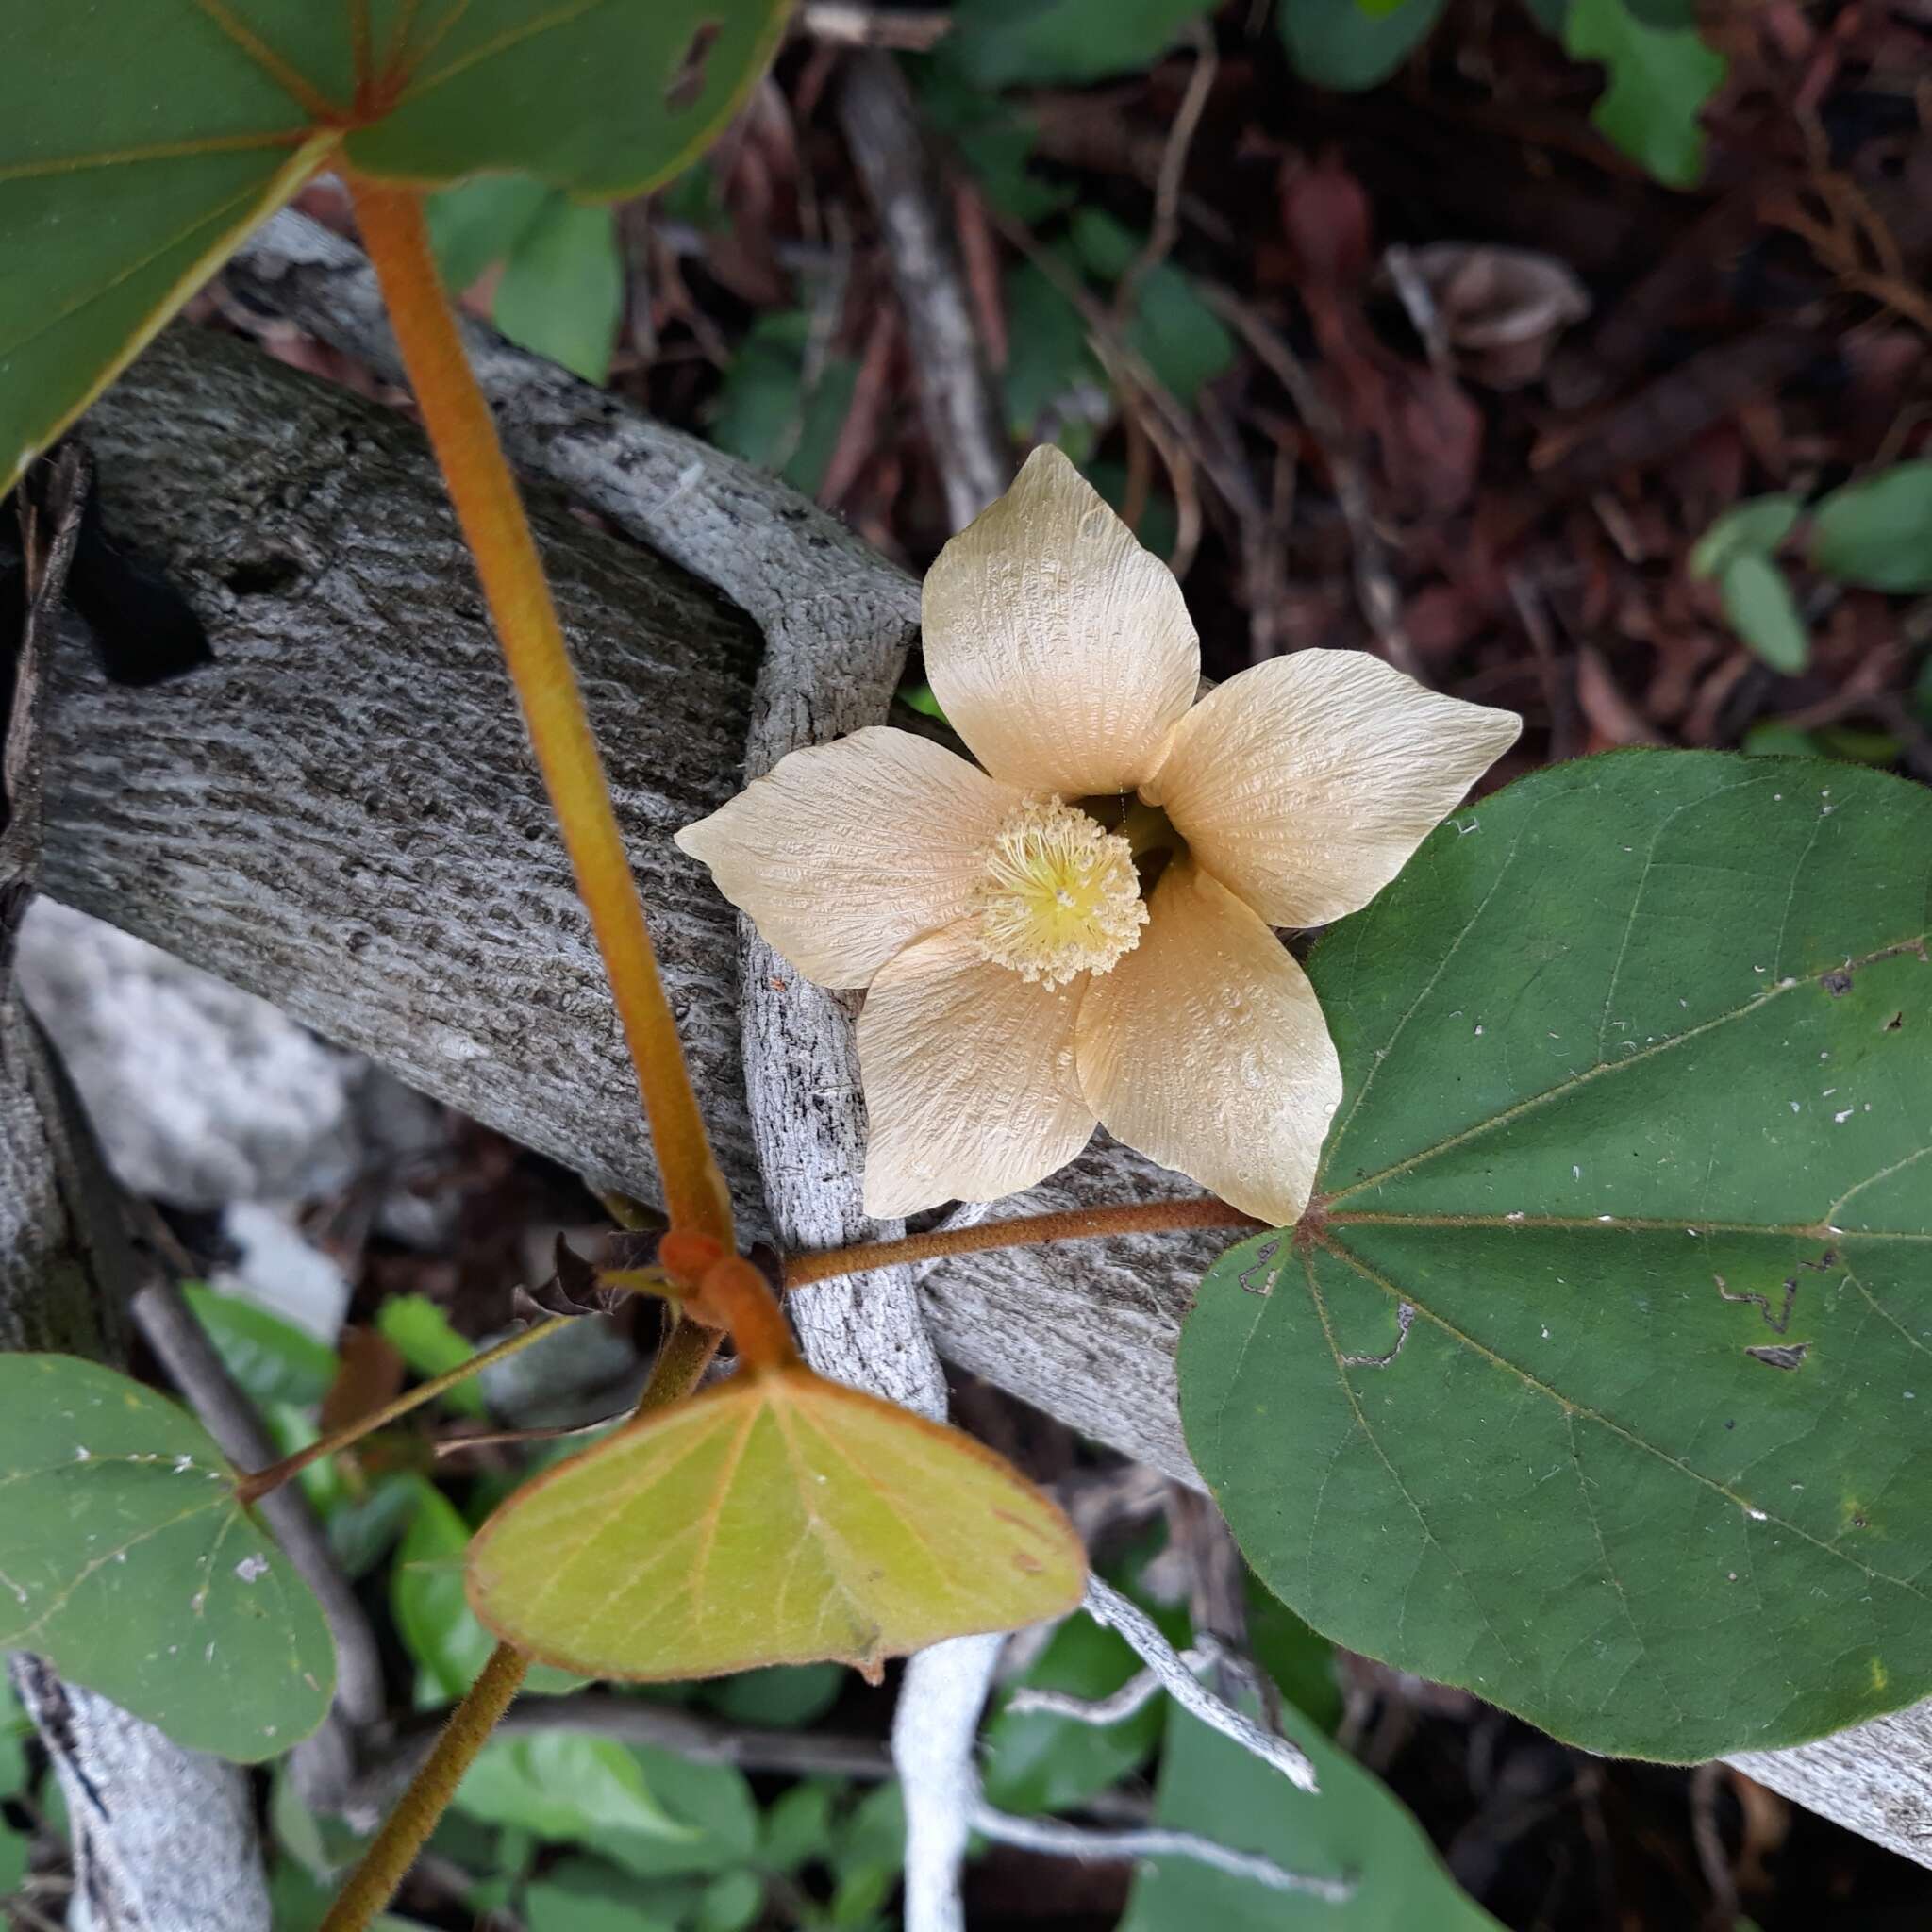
(1599, 1378)
(777, 1518)
(139, 143)
(127, 1561)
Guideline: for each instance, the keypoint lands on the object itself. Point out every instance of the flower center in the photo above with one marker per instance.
(1059, 895)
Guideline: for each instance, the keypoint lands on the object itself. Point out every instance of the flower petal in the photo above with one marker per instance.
(1206, 1049)
(1305, 782)
(969, 1078)
(848, 851)
(1059, 649)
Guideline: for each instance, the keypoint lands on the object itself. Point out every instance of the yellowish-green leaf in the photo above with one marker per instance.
(141, 140)
(777, 1518)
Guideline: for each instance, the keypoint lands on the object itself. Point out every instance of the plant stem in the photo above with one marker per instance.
(407, 1829)
(683, 1356)
(257, 1483)
(681, 1360)
(1025, 1231)
(484, 494)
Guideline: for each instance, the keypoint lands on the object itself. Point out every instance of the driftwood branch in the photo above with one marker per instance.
(411, 901)
(163, 1840)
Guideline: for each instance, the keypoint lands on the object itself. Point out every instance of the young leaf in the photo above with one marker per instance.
(125, 183)
(995, 43)
(1336, 43)
(1658, 82)
(1036, 1761)
(1592, 1379)
(273, 1359)
(480, 222)
(715, 1812)
(1760, 523)
(420, 1332)
(1877, 532)
(126, 1560)
(561, 294)
(559, 1785)
(432, 1614)
(777, 1517)
(1757, 600)
(1353, 1827)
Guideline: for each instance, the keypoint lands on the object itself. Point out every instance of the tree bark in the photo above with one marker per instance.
(163, 1840)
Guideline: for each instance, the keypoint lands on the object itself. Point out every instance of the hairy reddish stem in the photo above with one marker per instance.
(1026, 1231)
(484, 494)
(681, 1360)
(257, 1483)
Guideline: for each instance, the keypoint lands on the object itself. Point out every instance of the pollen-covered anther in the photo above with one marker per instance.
(1059, 895)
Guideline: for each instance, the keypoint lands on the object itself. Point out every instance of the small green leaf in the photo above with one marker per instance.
(1774, 738)
(1760, 523)
(271, 1358)
(1877, 532)
(561, 294)
(1596, 1367)
(15, 1727)
(126, 1560)
(713, 1806)
(730, 1903)
(797, 1826)
(997, 43)
(420, 1333)
(1847, 742)
(783, 1697)
(867, 1854)
(559, 1785)
(1301, 1661)
(363, 1527)
(1181, 339)
(1047, 355)
(1353, 1828)
(1335, 43)
(425, 1595)
(1757, 600)
(1658, 82)
(1035, 1761)
(587, 1895)
(478, 223)
(766, 413)
(432, 1614)
(15, 1849)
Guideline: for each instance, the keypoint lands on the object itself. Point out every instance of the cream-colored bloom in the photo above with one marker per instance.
(1079, 928)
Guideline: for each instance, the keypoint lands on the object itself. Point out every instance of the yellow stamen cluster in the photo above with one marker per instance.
(1060, 896)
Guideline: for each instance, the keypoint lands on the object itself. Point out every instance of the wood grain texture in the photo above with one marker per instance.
(163, 1839)
(341, 813)
(412, 903)
(836, 620)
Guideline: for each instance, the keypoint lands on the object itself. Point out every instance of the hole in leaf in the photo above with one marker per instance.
(1782, 1355)
(1777, 1323)
(1837, 983)
(1892, 1025)
(688, 78)
(1405, 1321)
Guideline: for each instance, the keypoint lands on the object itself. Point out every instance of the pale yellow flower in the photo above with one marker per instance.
(1079, 928)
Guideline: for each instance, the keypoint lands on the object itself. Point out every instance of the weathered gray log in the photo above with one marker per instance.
(410, 899)
(341, 813)
(163, 1839)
